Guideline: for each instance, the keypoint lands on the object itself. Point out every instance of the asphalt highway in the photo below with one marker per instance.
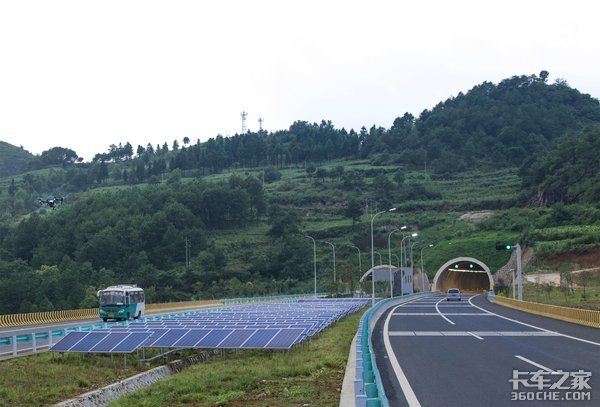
(433, 352)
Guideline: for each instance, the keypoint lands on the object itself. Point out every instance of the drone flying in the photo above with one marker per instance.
(52, 203)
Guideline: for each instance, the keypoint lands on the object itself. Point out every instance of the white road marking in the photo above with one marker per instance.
(410, 395)
(531, 362)
(439, 312)
(476, 336)
(479, 314)
(535, 327)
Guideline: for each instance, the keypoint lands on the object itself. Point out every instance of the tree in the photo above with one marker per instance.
(353, 210)
(321, 173)
(584, 278)
(271, 174)
(283, 222)
(58, 155)
(12, 188)
(566, 281)
(186, 141)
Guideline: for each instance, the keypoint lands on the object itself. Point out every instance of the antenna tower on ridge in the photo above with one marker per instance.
(244, 115)
(260, 122)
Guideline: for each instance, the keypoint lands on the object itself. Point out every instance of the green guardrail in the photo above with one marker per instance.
(371, 378)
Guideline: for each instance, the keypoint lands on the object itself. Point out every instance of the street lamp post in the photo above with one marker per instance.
(402, 265)
(373, 255)
(519, 273)
(397, 259)
(390, 259)
(411, 248)
(314, 260)
(334, 279)
(359, 267)
(412, 266)
(422, 269)
(405, 258)
(513, 283)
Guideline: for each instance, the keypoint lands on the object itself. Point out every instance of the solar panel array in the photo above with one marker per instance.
(271, 325)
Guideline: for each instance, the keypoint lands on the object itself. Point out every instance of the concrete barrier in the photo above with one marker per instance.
(575, 315)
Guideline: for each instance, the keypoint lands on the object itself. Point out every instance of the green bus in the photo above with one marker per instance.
(121, 302)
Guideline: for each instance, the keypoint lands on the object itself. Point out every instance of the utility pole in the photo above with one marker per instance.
(188, 246)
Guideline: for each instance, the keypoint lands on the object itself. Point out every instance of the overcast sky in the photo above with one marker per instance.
(84, 75)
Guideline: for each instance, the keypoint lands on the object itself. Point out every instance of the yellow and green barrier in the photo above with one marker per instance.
(574, 315)
(36, 318)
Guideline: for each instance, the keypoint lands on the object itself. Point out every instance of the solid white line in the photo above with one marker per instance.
(476, 336)
(531, 362)
(439, 312)
(536, 327)
(479, 314)
(404, 384)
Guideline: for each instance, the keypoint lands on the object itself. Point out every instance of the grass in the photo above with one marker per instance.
(309, 374)
(560, 296)
(45, 378)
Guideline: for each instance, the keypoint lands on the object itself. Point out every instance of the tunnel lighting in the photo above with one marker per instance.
(466, 270)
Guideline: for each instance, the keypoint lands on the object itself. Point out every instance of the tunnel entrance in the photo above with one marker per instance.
(465, 273)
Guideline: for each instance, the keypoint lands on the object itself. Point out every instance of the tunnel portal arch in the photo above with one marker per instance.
(465, 273)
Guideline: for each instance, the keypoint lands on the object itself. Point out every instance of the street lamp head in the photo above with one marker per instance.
(415, 235)
(430, 245)
(403, 227)
(391, 210)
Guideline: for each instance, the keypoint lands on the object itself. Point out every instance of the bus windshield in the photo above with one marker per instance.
(112, 298)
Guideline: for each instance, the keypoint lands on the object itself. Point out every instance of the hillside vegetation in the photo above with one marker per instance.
(244, 203)
(13, 160)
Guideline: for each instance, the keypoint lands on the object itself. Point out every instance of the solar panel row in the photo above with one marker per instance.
(101, 342)
(278, 325)
(126, 342)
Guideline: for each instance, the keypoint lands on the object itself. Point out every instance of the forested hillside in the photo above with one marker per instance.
(568, 171)
(13, 160)
(240, 206)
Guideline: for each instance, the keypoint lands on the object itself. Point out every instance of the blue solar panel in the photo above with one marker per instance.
(69, 340)
(88, 342)
(286, 338)
(131, 343)
(260, 338)
(109, 342)
(155, 334)
(269, 325)
(190, 339)
(169, 338)
(237, 338)
(214, 338)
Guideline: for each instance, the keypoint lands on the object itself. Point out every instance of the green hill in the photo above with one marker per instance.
(245, 202)
(13, 160)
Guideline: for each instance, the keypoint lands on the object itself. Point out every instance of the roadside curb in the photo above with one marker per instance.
(105, 395)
